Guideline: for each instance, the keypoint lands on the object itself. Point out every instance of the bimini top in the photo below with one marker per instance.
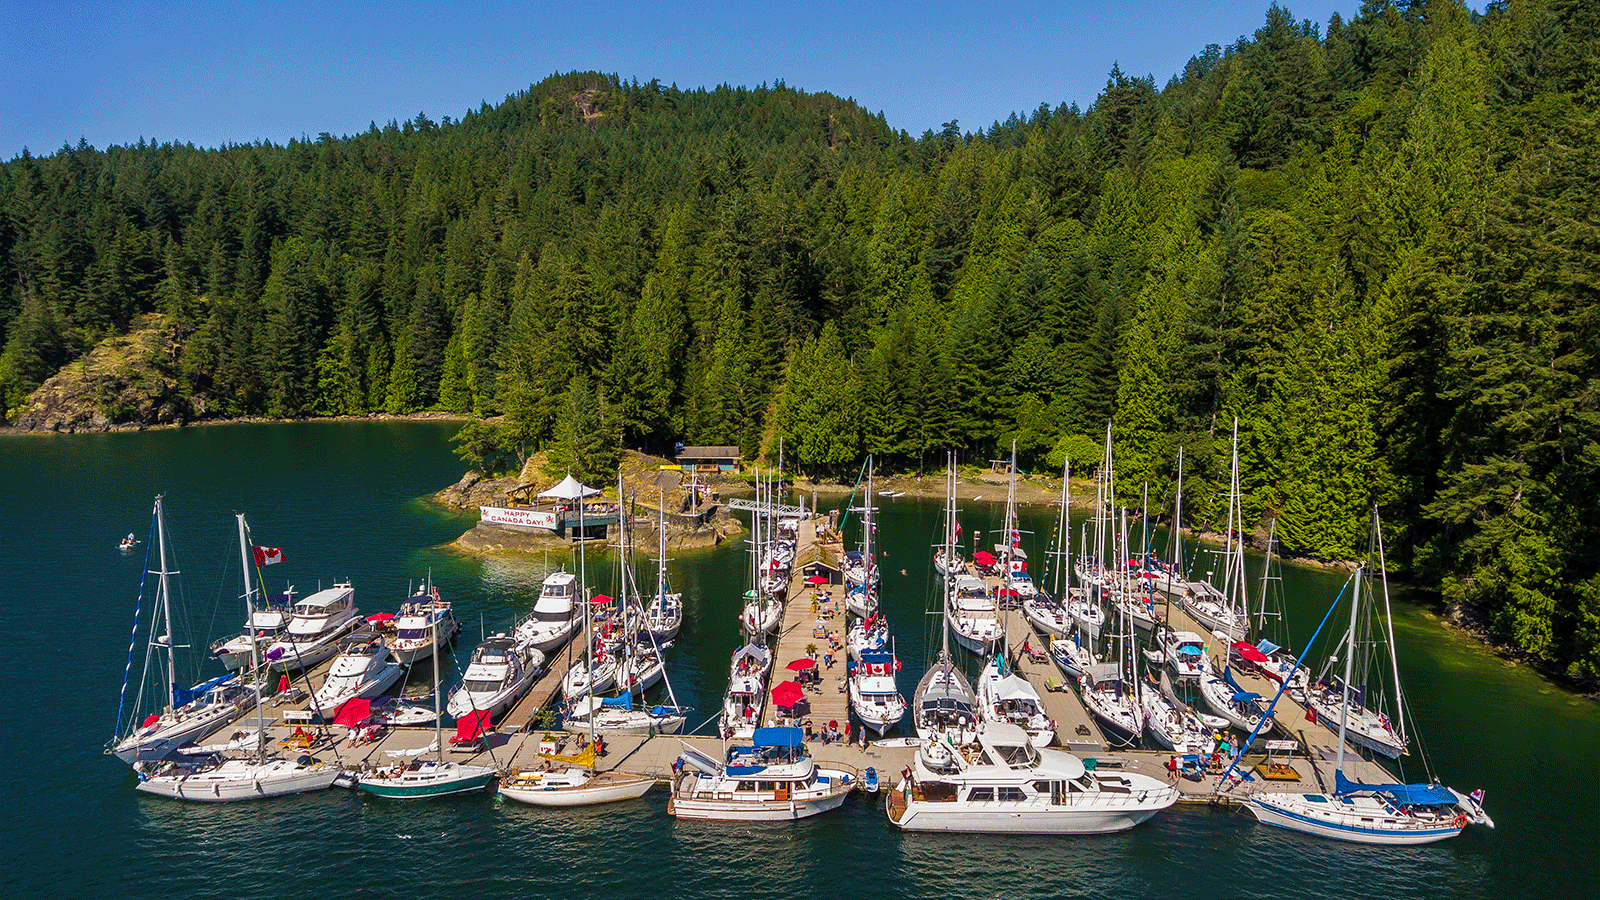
(1407, 794)
(787, 736)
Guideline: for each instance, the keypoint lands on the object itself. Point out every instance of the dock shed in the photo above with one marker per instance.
(710, 459)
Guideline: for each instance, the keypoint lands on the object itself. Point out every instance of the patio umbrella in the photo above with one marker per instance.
(788, 694)
(983, 558)
(380, 617)
(800, 665)
(816, 579)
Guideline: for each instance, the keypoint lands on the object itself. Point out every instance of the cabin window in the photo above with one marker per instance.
(769, 785)
(746, 786)
(980, 795)
(1011, 795)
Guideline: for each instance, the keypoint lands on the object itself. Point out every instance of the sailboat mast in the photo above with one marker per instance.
(1266, 573)
(1177, 523)
(950, 559)
(1062, 534)
(1349, 668)
(166, 598)
(1388, 621)
(250, 619)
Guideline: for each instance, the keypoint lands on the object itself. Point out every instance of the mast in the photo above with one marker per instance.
(250, 617)
(583, 597)
(1177, 524)
(1349, 668)
(1388, 621)
(1266, 574)
(950, 546)
(166, 601)
(438, 725)
(1063, 531)
(1011, 546)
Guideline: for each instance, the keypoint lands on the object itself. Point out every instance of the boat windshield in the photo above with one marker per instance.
(412, 634)
(481, 686)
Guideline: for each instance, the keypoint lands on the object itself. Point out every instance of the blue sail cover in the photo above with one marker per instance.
(182, 697)
(787, 736)
(1434, 794)
(623, 702)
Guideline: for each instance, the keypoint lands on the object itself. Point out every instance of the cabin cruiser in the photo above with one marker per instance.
(313, 634)
(771, 780)
(500, 671)
(972, 615)
(1185, 652)
(1002, 783)
(425, 622)
(873, 694)
(555, 614)
(267, 624)
(363, 669)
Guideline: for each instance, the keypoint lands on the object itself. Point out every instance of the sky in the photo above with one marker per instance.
(214, 73)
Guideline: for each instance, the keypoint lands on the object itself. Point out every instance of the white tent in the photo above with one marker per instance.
(569, 489)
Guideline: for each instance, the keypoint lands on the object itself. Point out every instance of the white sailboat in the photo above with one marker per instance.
(1386, 814)
(944, 705)
(861, 576)
(664, 616)
(213, 778)
(188, 713)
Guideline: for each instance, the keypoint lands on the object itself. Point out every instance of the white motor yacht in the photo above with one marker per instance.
(1002, 783)
(425, 622)
(314, 632)
(555, 614)
(363, 669)
(772, 780)
(1185, 652)
(873, 695)
(500, 671)
(266, 625)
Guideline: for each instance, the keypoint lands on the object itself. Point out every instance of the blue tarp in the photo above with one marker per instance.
(1434, 794)
(1245, 696)
(663, 710)
(623, 702)
(182, 697)
(787, 736)
(1267, 647)
(1191, 650)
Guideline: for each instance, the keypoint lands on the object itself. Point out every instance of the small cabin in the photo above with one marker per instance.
(710, 459)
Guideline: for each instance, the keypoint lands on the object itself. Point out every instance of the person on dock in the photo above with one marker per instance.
(1172, 770)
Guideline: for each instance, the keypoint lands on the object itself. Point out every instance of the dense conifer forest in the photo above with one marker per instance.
(1373, 242)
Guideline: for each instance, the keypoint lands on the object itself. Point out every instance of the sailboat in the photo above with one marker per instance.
(212, 778)
(861, 575)
(190, 712)
(1389, 814)
(418, 780)
(1004, 696)
(970, 610)
(577, 786)
(763, 612)
(944, 702)
(1108, 689)
(664, 616)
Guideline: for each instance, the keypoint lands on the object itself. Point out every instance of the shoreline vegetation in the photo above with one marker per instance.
(1366, 248)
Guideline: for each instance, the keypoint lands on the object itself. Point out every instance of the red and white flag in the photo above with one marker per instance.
(266, 556)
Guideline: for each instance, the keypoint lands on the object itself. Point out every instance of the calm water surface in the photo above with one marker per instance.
(343, 500)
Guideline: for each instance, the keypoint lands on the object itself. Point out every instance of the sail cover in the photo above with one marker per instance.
(623, 702)
(1407, 794)
(182, 697)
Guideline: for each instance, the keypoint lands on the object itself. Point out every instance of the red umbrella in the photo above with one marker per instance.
(800, 665)
(788, 694)
(983, 558)
(816, 579)
(380, 617)
(1249, 652)
(1009, 592)
(599, 599)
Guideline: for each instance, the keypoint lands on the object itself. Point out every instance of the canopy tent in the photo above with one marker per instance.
(983, 558)
(569, 489)
(471, 727)
(1406, 794)
(788, 694)
(1248, 652)
(353, 712)
(787, 736)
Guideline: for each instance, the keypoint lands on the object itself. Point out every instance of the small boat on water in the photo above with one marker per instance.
(771, 780)
(313, 634)
(128, 543)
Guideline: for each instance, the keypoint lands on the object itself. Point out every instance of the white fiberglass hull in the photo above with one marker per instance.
(1293, 812)
(687, 803)
(242, 780)
(603, 788)
(328, 702)
(922, 816)
(1048, 618)
(161, 740)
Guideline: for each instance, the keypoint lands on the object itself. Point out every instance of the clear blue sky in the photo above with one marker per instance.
(229, 72)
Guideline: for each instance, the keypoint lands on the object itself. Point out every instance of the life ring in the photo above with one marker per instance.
(1460, 821)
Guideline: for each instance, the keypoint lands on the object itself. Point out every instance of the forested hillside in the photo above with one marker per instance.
(1374, 242)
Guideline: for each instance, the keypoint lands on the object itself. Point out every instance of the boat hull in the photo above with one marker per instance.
(917, 815)
(605, 791)
(241, 782)
(421, 789)
(1269, 813)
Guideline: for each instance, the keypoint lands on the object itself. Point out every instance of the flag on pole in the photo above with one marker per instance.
(266, 556)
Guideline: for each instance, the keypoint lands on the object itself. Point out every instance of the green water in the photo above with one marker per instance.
(343, 500)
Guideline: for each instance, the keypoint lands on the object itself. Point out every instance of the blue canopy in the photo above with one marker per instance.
(663, 710)
(1190, 650)
(1434, 794)
(787, 736)
(623, 702)
(182, 697)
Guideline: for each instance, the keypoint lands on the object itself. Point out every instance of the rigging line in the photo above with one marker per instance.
(860, 476)
(138, 606)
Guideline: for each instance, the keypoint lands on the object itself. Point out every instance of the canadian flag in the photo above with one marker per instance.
(958, 528)
(1019, 565)
(266, 556)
